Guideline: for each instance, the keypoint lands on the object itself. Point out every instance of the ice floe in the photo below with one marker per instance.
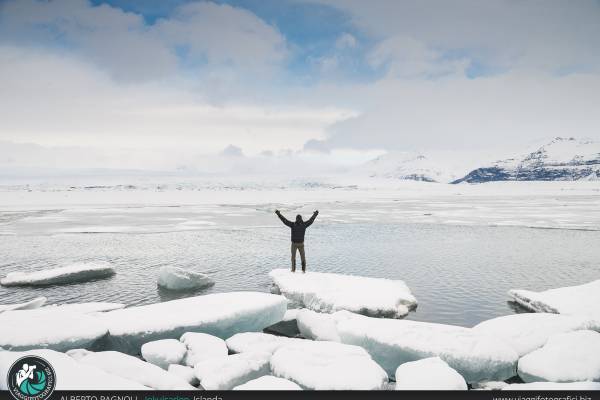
(475, 356)
(29, 305)
(221, 314)
(529, 331)
(268, 382)
(566, 357)
(131, 368)
(184, 372)
(71, 374)
(323, 365)
(428, 374)
(257, 341)
(225, 373)
(85, 308)
(582, 299)
(316, 326)
(175, 278)
(78, 272)
(61, 331)
(327, 292)
(202, 346)
(164, 352)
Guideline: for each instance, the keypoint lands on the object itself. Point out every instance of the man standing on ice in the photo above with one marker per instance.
(298, 230)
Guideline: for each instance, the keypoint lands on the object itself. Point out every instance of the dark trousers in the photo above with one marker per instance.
(300, 248)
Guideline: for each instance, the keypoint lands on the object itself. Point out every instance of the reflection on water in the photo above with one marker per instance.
(459, 274)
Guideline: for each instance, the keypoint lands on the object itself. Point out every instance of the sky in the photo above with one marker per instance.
(192, 84)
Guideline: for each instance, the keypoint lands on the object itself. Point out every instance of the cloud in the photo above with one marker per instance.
(345, 41)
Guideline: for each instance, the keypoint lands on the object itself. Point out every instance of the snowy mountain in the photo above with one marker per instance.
(562, 159)
(406, 166)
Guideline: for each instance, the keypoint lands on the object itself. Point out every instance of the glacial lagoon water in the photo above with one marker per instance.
(459, 274)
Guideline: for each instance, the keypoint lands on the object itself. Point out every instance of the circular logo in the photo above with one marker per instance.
(31, 378)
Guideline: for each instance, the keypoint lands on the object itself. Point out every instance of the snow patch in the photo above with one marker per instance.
(164, 352)
(201, 346)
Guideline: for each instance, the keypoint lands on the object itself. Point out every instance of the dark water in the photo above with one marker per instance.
(459, 274)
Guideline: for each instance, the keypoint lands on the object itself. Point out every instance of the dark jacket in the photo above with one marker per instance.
(298, 227)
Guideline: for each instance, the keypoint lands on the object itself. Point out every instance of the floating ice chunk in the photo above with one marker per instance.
(61, 331)
(291, 314)
(71, 374)
(566, 357)
(475, 356)
(529, 331)
(78, 272)
(201, 346)
(582, 299)
(175, 278)
(326, 292)
(86, 308)
(29, 305)
(317, 326)
(225, 373)
(221, 314)
(257, 341)
(185, 373)
(428, 374)
(164, 352)
(554, 386)
(268, 382)
(327, 366)
(131, 368)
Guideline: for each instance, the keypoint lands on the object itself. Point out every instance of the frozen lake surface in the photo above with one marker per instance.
(460, 274)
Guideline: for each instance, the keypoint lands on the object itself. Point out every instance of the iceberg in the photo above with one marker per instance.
(71, 374)
(131, 368)
(529, 331)
(328, 292)
(74, 273)
(257, 341)
(554, 386)
(164, 352)
(184, 372)
(29, 305)
(268, 382)
(225, 373)
(428, 374)
(221, 315)
(475, 356)
(61, 331)
(582, 299)
(566, 357)
(175, 278)
(322, 365)
(316, 326)
(201, 346)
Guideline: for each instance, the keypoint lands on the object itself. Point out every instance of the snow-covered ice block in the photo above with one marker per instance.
(391, 342)
(78, 272)
(221, 314)
(164, 352)
(582, 299)
(131, 368)
(490, 385)
(201, 346)
(291, 314)
(86, 308)
(61, 331)
(257, 341)
(268, 382)
(428, 374)
(175, 278)
(327, 292)
(184, 372)
(327, 366)
(554, 386)
(71, 375)
(29, 305)
(566, 357)
(529, 331)
(225, 373)
(317, 326)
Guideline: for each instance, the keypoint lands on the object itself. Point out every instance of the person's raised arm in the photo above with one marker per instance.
(312, 219)
(283, 219)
